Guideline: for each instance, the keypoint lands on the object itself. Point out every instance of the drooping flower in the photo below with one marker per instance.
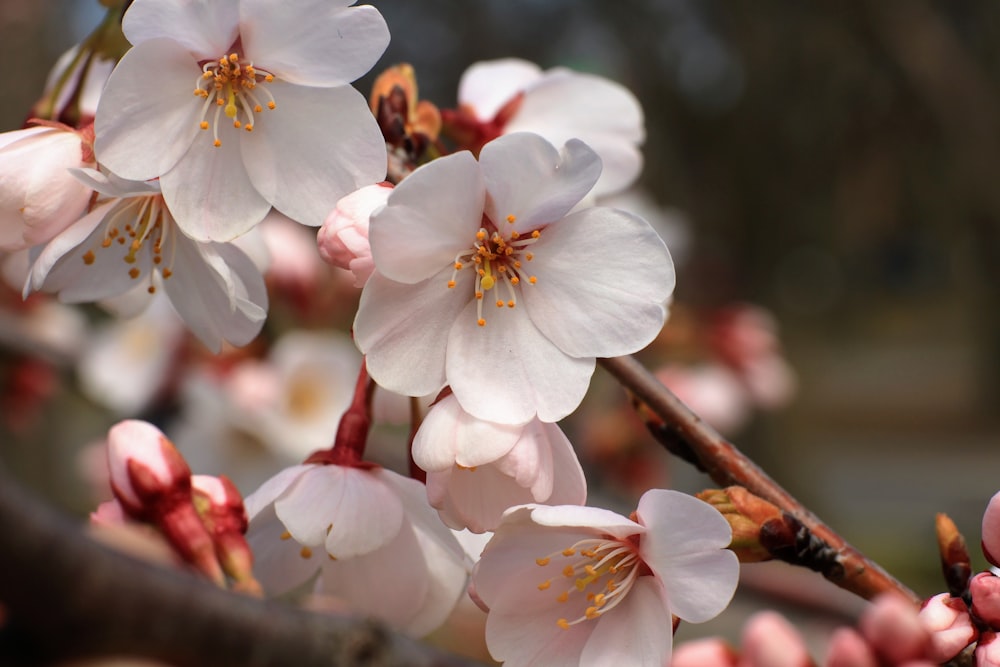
(486, 282)
(569, 585)
(376, 544)
(39, 197)
(510, 95)
(271, 121)
(476, 469)
(130, 241)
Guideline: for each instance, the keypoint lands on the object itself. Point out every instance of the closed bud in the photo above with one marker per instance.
(343, 238)
(950, 626)
(991, 531)
(955, 564)
(984, 589)
(988, 650)
(148, 474)
(221, 508)
(761, 530)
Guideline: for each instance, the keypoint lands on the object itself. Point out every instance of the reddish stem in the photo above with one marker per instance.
(352, 431)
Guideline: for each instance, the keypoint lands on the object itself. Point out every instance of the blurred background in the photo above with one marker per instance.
(834, 162)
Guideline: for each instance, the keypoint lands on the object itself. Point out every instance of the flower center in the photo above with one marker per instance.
(497, 258)
(601, 572)
(140, 224)
(234, 88)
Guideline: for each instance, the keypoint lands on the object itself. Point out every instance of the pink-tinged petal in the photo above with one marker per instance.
(59, 264)
(395, 320)
(991, 530)
(210, 193)
(449, 435)
(474, 499)
(563, 104)
(347, 509)
(891, 625)
(488, 86)
(769, 640)
(270, 490)
(636, 632)
(316, 146)
(700, 586)
(144, 123)
(280, 563)
(206, 28)
(321, 43)
(134, 443)
(706, 652)
(535, 377)
(598, 520)
(388, 584)
(211, 288)
(529, 464)
(569, 487)
(444, 557)
(111, 185)
(603, 278)
(984, 589)
(523, 631)
(430, 217)
(849, 649)
(679, 524)
(527, 178)
(950, 626)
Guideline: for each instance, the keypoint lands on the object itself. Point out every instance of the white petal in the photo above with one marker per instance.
(569, 485)
(700, 586)
(488, 86)
(346, 508)
(476, 499)
(272, 488)
(62, 245)
(316, 146)
(210, 193)
(207, 28)
(532, 376)
(278, 563)
(429, 218)
(320, 43)
(529, 179)
(603, 277)
(636, 632)
(145, 123)
(597, 519)
(209, 290)
(449, 435)
(396, 320)
(110, 185)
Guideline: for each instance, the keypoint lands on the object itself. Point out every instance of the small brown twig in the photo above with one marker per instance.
(727, 466)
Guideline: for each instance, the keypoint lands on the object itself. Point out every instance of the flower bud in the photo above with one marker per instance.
(847, 648)
(146, 470)
(761, 530)
(769, 640)
(955, 563)
(707, 652)
(892, 627)
(984, 589)
(950, 626)
(343, 238)
(221, 508)
(988, 651)
(991, 531)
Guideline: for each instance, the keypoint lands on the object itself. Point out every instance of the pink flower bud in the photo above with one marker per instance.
(991, 531)
(769, 640)
(146, 470)
(849, 649)
(109, 513)
(892, 627)
(988, 650)
(343, 238)
(708, 652)
(226, 521)
(950, 626)
(984, 588)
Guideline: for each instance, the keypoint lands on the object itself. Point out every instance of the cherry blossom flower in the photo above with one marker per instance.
(129, 241)
(569, 585)
(947, 621)
(511, 95)
(39, 197)
(376, 544)
(272, 120)
(343, 238)
(476, 469)
(483, 281)
(991, 531)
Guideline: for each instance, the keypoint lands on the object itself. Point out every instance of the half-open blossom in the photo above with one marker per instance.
(130, 241)
(39, 197)
(476, 469)
(343, 238)
(376, 544)
(569, 585)
(504, 96)
(250, 107)
(485, 281)
(950, 626)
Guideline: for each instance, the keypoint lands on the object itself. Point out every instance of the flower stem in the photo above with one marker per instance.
(352, 431)
(727, 465)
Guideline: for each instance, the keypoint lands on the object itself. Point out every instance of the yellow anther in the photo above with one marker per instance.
(88, 257)
(286, 535)
(543, 561)
(499, 303)
(563, 597)
(569, 552)
(599, 599)
(248, 128)
(257, 108)
(514, 280)
(106, 243)
(481, 322)
(545, 585)
(535, 234)
(451, 283)
(592, 613)
(479, 295)
(481, 235)
(458, 265)
(216, 143)
(167, 273)
(306, 552)
(511, 219)
(233, 58)
(270, 105)
(269, 78)
(514, 236)
(237, 124)
(528, 256)
(204, 125)
(568, 571)
(563, 623)
(532, 279)
(510, 304)
(133, 273)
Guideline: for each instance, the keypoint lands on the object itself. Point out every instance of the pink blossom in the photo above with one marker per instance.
(708, 652)
(144, 465)
(950, 626)
(343, 238)
(892, 627)
(569, 585)
(991, 531)
(849, 649)
(769, 640)
(985, 591)
(988, 650)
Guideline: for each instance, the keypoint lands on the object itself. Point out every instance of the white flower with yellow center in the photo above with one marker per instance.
(130, 242)
(486, 282)
(570, 585)
(241, 105)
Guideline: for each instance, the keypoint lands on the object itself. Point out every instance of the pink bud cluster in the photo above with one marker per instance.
(202, 518)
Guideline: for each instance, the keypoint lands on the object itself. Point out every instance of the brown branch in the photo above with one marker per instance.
(727, 465)
(66, 596)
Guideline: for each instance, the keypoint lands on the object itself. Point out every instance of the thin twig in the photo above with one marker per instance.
(727, 465)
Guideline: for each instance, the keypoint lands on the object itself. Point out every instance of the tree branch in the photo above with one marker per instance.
(66, 596)
(727, 465)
